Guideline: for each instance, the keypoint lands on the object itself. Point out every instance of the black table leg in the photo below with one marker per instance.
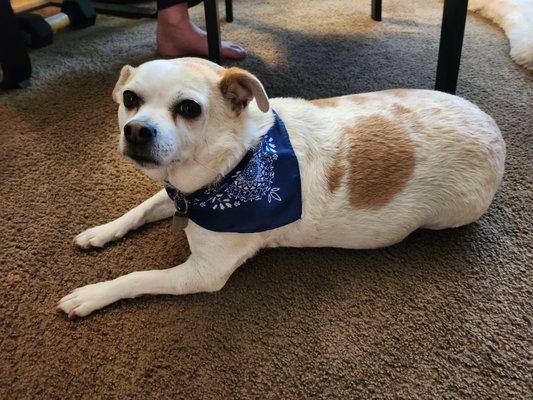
(213, 29)
(376, 10)
(229, 10)
(14, 59)
(451, 42)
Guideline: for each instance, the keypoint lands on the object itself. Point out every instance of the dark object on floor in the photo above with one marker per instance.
(80, 13)
(37, 31)
(40, 31)
(14, 60)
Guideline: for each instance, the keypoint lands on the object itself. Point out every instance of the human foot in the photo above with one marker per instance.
(183, 38)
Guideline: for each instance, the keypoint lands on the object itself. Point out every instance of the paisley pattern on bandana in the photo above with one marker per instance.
(252, 183)
(262, 192)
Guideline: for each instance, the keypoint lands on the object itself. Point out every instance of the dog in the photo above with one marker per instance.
(515, 17)
(367, 170)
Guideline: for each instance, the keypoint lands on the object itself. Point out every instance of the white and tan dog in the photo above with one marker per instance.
(374, 167)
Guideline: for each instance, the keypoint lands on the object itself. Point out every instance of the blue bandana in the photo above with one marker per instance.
(262, 192)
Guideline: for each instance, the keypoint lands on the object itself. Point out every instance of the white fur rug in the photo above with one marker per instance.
(515, 17)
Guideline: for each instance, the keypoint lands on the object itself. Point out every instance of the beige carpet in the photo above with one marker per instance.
(441, 315)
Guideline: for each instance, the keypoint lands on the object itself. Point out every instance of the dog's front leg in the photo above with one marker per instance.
(155, 208)
(213, 259)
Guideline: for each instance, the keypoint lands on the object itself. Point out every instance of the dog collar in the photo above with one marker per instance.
(262, 192)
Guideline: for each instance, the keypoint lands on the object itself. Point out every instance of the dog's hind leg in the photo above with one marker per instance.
(211, 263)
(157, 207)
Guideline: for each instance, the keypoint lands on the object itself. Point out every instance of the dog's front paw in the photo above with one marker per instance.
(98, 236)
(83, 301)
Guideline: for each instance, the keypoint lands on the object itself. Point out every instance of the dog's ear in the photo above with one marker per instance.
(125, 74)
(240, 86)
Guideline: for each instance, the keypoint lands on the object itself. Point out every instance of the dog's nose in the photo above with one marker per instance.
(137, 132)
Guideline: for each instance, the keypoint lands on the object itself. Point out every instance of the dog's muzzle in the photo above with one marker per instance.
(140, 137)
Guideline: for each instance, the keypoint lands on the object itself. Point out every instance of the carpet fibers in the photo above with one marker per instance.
(444, 314)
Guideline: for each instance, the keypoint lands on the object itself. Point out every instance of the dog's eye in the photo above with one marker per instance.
(131, 100)
(188, 109)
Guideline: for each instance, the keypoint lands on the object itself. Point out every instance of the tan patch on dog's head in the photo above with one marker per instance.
(330, 102)
(125, 74)
(240, 87)
(381, 160)
(336, 170)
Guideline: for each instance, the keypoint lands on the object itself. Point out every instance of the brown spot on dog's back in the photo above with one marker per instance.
(330, 102)
(336, 170)
(381, 161)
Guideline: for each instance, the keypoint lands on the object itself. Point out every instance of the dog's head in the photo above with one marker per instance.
(168, 109)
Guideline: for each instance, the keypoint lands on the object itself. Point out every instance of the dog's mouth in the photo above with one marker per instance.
(142, 160)
(147, 161)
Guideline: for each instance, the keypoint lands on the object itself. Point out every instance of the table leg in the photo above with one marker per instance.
(14, 59)
(376, 10)
(213, 29)
(229, 10)
(451, 42)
